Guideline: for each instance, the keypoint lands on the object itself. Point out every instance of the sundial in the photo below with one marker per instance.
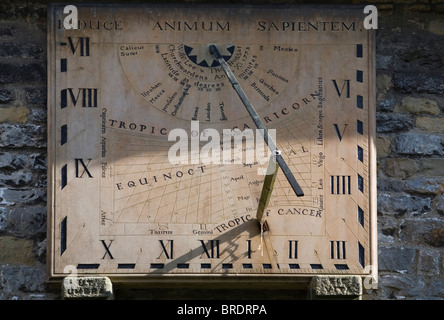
(158, 167)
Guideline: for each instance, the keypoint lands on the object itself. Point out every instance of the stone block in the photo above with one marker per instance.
(335, 287)
(400, 286)
(15, 250)
(433, 167)
(439, 203)
(432, 125)
(24, 135)
(383, 146)
(27, 73)
(383, 83)
(74, 287)
(428, 83)
(27, 222)
(397, 259)
(419, 144)
(418, 106)
(437, 27)
(393, 122)
(429, 231)
(401, 167)
(428, 262)
(383, 61)
(13, 196)
(17, 279)
(6, 96)
(14, 114)
(426, 186)
(399, 204)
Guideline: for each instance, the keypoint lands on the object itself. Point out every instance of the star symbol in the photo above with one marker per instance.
(201, 56)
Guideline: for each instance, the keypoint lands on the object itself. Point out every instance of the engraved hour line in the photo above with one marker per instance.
(128, 169)
(291, 132)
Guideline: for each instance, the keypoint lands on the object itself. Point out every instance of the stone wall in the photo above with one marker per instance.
(410, 143)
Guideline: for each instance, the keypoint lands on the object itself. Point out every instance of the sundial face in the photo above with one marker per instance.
(135, 89)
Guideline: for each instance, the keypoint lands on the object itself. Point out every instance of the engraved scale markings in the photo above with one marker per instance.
(137, 198)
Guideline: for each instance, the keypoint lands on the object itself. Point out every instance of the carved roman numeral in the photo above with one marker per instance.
(213, 251)
(167, 249)
(337, 250)
(82, 44)
(338, 131)
(79, 162)
(340, 184)
(292, 249)
(107, 251)
(86, 97)
(345, 86)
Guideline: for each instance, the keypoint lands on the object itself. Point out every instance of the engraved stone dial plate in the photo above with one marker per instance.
(131, 81)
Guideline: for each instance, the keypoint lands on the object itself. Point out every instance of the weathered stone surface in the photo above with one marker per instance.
(419, 144)
(396, 259)
(423, 56)
(429, 262)
(15, 179)
(401, 167)
(14, 114)
(386, 105)
(335, 286)
(439, 204)
(393, 122)
(436, 288)
(433, 167)
(418, 106)
(10, 196)
(399, 204)
(25, 73)
(390, 185)
(18, 278)
(16, 250)
(428, 231)
(28, 222)
(409, 83)
(383, 61)
(35, 96)
(437, 27)
(6, 96)
(22, 50)
(428, 186)
(15, 161)
(383, 85)
(400, 286)
(383, 146)
(432, 125)
(74, 287)
(26, 135)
